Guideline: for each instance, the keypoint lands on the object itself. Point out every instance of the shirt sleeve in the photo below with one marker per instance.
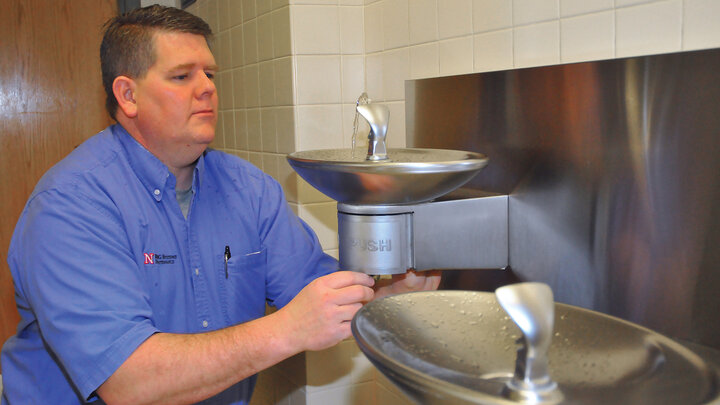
(86, 292)
(295, 256)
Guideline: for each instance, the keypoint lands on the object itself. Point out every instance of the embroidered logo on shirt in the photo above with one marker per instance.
(157, 258)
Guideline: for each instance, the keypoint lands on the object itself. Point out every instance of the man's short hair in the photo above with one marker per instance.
(128, 49)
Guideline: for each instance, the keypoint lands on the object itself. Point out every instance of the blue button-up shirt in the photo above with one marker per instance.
(102, 257)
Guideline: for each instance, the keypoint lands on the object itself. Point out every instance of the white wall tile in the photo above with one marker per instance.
(701, 24)
(576, 7)
(424, 61)
(454, 18)
(649, 28)
(316, 30)
(282, 43)
(537, 44)
(373, 23)
(318, 127)
(534, 11)
(490, 15)
(322, 218)
(318, 79)
(588, 37)
(353, 77)
(423, 21)
(351, 30)
(456, 56)
(374, 78)
(396, 69)
(493, 51)
(395, 23)
(625, 3)
(396, 125)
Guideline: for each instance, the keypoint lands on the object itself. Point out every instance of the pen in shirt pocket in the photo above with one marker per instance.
(227, 257)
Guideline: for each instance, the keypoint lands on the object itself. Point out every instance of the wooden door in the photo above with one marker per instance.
(51, 99)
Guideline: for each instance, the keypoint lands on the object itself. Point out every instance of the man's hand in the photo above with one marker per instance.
(319, 316)
(408, 282)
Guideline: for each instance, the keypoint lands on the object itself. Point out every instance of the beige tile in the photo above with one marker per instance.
(587, 37)
(236, 46)
(269, 137)
(254, 130)
(534, 11)
(219, 139)
(223, 50)
(318, 79)
(267, 83)
(351, 30)
(282, 43)
(316, 30)
(332, 367)
(212, 16)
(288, 179)
(224, 84)
(229, 129)
(701, 28)
(270, 165)
(256, 159)
(423, 21)
(353, 77)
(224, 14)
(493, 51)
(284, 94)
(454, 18)
(251, 85)
(491, 15)
(280, 3)
(334, 253)
(537, 45)
(248, 10)
(238, 86)
(396, 69)
(241, 138)
(265, 37)
(456, 56)
(396, 33)
(263, 6)
(649, 29)
(390, 395)
(307, 194)
(285, 128)
(250, 42)
(235, 10)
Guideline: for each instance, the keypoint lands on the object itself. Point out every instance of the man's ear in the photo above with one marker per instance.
(124, 90)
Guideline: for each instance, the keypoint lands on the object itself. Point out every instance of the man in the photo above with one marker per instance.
(142, 262)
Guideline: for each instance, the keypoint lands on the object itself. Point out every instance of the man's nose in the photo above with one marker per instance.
(206, 86)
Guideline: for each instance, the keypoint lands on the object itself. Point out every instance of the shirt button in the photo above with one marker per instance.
(205, 324)
(197, 272)
(156, 192)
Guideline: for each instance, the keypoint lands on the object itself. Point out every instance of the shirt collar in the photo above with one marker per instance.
(151, 172)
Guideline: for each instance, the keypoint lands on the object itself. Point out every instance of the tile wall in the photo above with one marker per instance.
(292, 70)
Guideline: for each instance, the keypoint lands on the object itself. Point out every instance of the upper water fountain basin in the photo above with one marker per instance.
(407, 176)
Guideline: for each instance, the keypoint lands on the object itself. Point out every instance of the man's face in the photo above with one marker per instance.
(177, 100)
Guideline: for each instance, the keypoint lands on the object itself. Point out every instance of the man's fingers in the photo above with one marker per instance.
(343, 279)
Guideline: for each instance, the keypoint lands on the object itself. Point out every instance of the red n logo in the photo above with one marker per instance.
(149, 258)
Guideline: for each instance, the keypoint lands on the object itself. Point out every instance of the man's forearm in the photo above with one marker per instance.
(186, 368)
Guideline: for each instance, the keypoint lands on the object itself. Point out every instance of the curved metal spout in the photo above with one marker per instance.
(377, 116)
(531, 307)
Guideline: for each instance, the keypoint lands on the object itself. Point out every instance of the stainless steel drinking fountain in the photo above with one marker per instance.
(385, 211)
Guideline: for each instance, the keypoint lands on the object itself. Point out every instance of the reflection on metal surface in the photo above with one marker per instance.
(457, 347)
(613, 173)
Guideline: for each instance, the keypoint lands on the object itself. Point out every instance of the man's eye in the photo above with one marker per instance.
(210, 75)
(180, 77)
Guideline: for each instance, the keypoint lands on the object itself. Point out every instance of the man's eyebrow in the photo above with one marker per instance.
(191, 65)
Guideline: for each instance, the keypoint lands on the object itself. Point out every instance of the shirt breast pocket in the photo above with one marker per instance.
(244, 281)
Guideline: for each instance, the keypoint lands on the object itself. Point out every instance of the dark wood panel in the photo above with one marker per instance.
(51, 99)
